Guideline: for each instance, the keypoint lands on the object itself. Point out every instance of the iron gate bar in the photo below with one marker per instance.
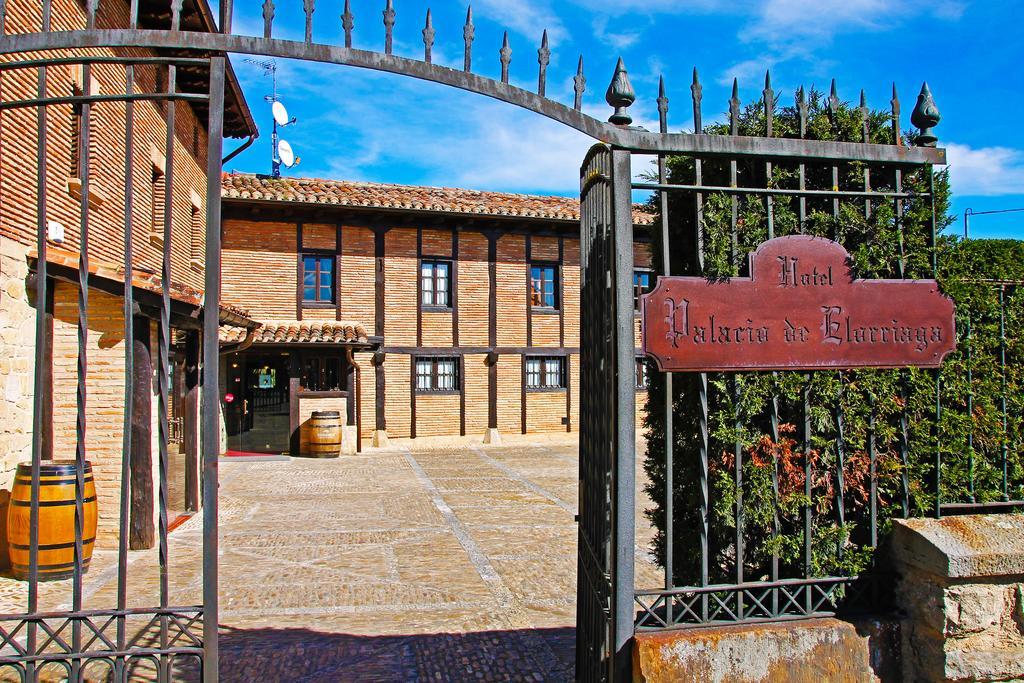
(129, 375)
(211, 371)
(771, 191)
(625, 138)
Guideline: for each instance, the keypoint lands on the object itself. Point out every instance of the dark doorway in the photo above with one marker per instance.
(258, 399)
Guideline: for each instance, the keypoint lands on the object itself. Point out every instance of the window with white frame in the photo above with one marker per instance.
(436, 284)
(545, 373)
(437, 375)
(641, 374)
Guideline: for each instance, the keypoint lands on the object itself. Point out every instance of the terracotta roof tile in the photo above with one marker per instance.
(406, 197)
(141, 278)
(300, 332)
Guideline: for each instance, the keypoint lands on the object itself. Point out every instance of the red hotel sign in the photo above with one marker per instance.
(800, 309)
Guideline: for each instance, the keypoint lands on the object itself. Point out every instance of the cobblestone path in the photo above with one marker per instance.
(455, 564)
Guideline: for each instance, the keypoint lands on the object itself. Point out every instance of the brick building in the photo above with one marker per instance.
(76, 140)
(413, 311)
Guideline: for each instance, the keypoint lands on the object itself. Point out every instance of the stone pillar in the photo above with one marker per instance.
(961, 588)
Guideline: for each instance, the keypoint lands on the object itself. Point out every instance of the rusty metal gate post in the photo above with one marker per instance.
(608, 435)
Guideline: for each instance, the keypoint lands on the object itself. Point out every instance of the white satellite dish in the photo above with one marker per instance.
(285, 153)
(280, 113)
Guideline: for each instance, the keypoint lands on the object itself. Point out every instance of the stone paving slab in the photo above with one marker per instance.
(400, 565)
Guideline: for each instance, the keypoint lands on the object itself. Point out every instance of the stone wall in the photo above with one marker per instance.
(962, 590)
(17, 351)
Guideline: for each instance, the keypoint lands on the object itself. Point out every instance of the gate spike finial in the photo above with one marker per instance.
(348, 22)
(926, 116)
(734, 108)
(579, 86)
(506, 57)
(389, 27)
(864, 116)
(268, 18)
(769, 103)
(428, 38)
(92, 5)
(662, 105)
(697, 95)
(620, 95)
(801, 108)
(543, 58)
(895, 103)
(833, 101)
(309, 6)
(468, 34)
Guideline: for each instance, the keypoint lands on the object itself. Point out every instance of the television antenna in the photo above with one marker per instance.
(280, 151)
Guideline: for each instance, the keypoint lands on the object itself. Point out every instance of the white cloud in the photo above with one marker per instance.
(986, 171)
(619, 40)
(527, 17)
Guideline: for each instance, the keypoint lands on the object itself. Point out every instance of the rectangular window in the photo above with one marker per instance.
(544, 286)
(196, 238)
(322, 373)
(545, 373)
(317, 279)
(76, 139)
(157, 194)
(437, 375)
(436, 283)
(641, 285)
(641, 373)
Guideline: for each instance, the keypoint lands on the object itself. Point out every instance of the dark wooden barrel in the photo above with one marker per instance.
(56, 520)
(325, 434)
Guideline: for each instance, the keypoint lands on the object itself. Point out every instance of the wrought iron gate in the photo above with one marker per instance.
(106, 638)
(604, 622)
(122, 641)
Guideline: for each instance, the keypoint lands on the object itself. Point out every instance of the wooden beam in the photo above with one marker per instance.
(141, 531)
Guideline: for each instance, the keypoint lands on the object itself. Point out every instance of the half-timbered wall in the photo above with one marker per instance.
(379, 261)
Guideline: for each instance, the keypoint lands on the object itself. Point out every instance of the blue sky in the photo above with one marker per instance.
(362, 125)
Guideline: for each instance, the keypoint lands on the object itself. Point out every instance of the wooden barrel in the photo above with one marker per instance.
(325, 434)
(56, 558)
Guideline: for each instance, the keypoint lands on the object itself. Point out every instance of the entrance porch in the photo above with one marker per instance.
(278, 376)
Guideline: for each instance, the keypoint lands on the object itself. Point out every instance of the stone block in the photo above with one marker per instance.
(961, 591)
(813, 650)
(348, 440)
(380, 439)
(492, 437)
(968, 546)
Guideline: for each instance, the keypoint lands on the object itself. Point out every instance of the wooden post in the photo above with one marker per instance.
(141, 533)
(190, 420)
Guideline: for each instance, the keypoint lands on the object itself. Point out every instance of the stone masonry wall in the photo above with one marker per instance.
(961, 589)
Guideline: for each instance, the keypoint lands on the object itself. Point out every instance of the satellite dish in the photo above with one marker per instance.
(285, 153)
(280, 113)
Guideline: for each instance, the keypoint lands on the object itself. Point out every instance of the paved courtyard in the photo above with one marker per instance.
(445, 564)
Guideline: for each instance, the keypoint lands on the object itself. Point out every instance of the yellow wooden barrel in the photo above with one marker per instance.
(56, 558)
(325, 434)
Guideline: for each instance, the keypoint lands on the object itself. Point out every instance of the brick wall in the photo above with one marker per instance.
(270, 244)
(105, 392)
(19, 189)
(18, 167)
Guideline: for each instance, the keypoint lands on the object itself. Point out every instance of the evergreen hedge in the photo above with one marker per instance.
(888, 241)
